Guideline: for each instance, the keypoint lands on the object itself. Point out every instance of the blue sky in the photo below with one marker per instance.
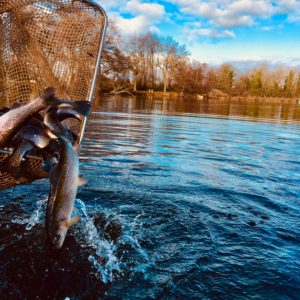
(216, 31)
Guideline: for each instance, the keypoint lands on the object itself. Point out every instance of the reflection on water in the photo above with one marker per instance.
(185, 200)
(253, 110)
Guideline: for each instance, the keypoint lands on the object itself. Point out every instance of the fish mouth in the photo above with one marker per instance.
(58, 241)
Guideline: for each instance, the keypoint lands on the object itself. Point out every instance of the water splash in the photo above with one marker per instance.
(132, 236)
(36, 217)
(138, 260)
(104, 250)
(105, 259)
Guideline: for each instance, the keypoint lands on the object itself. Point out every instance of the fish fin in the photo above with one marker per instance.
(51, 134)
(41, 141)
(48, 95)
(81, 181)
(82, 107)
(36, 136)
(72, 222)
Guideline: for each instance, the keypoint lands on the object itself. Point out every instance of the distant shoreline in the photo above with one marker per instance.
(203, 97)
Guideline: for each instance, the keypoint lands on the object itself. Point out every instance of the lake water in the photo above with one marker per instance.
(185, 199)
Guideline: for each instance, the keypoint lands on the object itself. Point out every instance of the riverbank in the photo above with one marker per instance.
(201, 97)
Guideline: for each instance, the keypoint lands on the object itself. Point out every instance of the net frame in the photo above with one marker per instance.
(98, 63)
(93, 13)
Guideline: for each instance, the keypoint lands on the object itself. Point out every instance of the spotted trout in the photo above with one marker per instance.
(13, 120)
(64, 180)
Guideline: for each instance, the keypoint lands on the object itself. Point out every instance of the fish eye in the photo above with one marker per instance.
(57, 237)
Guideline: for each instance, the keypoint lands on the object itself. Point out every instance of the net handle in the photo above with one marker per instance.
(98, 64)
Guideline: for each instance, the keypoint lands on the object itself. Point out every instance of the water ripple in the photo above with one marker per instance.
(180, 204)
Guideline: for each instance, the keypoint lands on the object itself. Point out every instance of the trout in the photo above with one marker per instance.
(13, 120)
(56, 115)
(64, 180)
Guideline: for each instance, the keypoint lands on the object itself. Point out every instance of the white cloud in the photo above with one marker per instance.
(143, 16)
(111, 4)
(200, 20)
(249, 63)
(150, 10)
(219, 18)
(227, 14)
(267, 28)
(238, 13)
(215, 34)
(234, 21)
(154, 29)
(192, 31)
(255, 8)
(287, 6)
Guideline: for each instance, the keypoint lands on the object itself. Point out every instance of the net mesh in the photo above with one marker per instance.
(32, 170)
(48, 43)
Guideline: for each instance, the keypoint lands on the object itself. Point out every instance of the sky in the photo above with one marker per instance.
(244, 32)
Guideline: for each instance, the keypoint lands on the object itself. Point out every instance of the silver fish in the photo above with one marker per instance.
(28, 138)
(13, 163)
(55, 115)
(14, 119)
(38, 136)
(64, 179)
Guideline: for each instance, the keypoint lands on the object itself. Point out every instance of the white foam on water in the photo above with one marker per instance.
(104, 250)
(134, 233)
(105, 259)
(37, 216)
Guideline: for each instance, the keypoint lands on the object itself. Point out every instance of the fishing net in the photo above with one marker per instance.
(48, 43)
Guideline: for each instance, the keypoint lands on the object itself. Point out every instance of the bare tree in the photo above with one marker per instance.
(151, 62)
(170, 55)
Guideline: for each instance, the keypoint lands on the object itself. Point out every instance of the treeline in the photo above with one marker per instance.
(162, 64)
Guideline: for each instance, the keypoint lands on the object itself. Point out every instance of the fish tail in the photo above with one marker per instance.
(68, 113)
(82, 107)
